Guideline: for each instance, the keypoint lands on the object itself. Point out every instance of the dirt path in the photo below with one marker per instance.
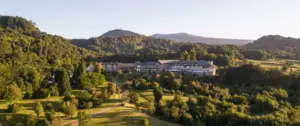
(75, 121)
(102, 111)
(70, 123)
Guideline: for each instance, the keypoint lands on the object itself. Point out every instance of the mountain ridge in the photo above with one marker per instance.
(186, 37)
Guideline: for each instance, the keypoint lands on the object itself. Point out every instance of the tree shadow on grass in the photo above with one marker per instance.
(32, 105)
(113, 100)
(16, 117)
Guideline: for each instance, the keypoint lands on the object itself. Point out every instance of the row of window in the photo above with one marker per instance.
(186, 67)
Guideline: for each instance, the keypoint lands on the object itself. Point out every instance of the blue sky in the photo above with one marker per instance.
(245, 19)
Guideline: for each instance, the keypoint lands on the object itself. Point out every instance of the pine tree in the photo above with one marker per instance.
(80, 71)
(158, 93)
(193, 54)
(63, 81)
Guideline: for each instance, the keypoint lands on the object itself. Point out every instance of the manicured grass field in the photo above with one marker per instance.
(113, 114)
(120, 116)
(148, 95)
(27, 107)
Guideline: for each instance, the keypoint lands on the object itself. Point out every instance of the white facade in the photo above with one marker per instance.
(199, 67)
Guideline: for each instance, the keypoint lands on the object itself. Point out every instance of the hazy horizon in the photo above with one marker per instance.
(219, 18)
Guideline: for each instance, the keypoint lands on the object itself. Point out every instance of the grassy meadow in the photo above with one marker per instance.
(111, 113)
(275, 64)
(147, 95)
(27, 107)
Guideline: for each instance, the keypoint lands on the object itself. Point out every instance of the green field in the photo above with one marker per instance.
(126, 116)
(113, 114)
(27, 107)
(274, 64)
(148, 96)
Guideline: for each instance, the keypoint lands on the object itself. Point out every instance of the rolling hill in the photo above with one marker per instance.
(184, 37)
(273, 42)
(119, 33)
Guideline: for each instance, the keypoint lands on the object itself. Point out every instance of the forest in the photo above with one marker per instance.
(246, 95)
(49, 80)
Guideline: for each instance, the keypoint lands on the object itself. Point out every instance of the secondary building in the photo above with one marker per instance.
(110, 66)
(147, 67)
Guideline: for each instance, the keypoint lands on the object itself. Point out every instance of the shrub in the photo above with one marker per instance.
(165, 114)
(39, 110)
(43, 122)
(87, 105)
(239, 100)
(68, 108)
(97, 102)
(13, 108)
(50, 116)
(83, 118)
(264, 103)
(6, 121)
(177, 101)
(48, 108)
(83, 103)
(71, 99)
(145, 122)
(187, 119)
(134, 98)
(12, 93)
(105, 94)
(155, 85)
(279, 93)
(149, 106)
(29, 91)
(31, 120)
(42, 93)
(143, 84)
(174, 113)
(54, 90)
(111, 88)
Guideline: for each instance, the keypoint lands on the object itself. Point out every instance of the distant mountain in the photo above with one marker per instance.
(184, 37)
(275, 42)
(119, 33)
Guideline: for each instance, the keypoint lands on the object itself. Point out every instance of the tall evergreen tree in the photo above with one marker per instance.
(80, 71)
(158, 93)
(62, 78)
(193, 54)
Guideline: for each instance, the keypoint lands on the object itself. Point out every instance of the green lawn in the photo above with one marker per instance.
(148, 95)
(275, 64)
(27, 107)
(111, 113)
(121, 116)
